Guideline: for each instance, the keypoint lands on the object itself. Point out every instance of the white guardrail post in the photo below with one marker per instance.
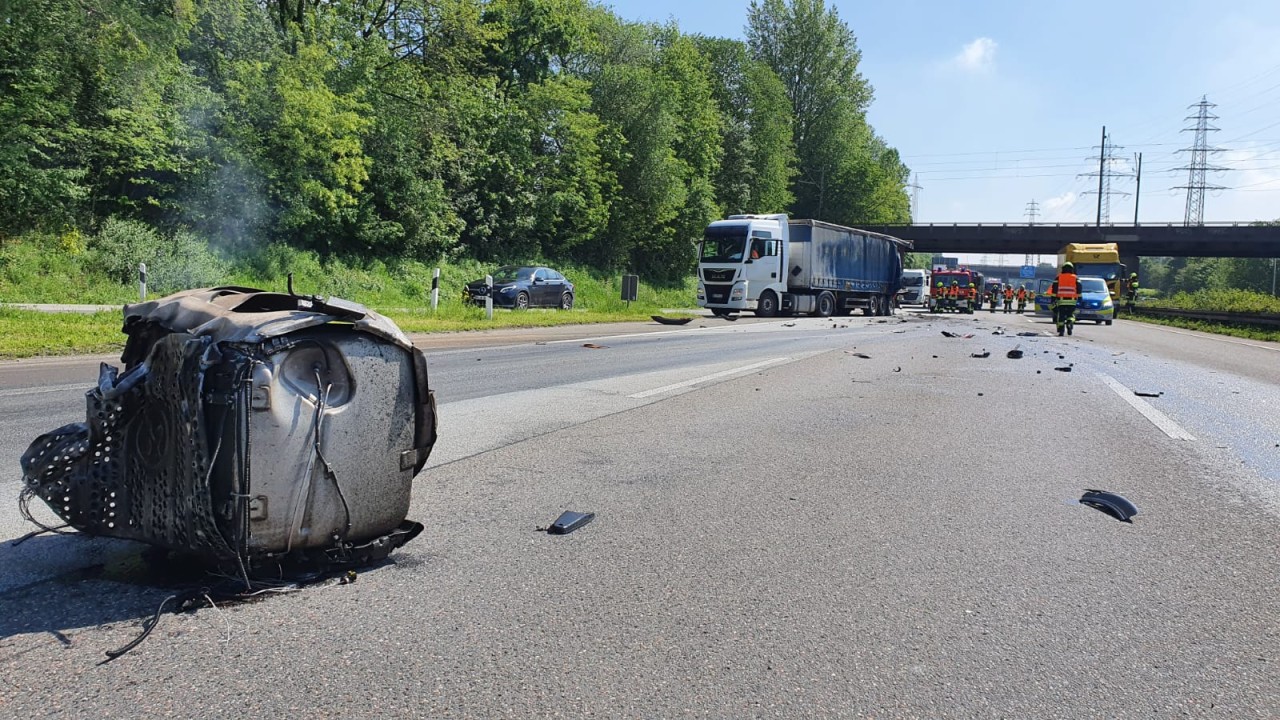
(142, 282)
(435, 290)
(488, 297)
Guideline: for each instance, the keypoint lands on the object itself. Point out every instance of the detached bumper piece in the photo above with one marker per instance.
(264, 433)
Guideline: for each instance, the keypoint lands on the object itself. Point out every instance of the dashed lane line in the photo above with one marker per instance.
(1157, 418)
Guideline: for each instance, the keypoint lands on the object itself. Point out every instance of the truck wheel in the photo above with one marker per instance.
(826, 305)
(1108, 322)
(767, 306)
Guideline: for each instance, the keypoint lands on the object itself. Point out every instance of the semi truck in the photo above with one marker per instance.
(1096, 260)
(774, 265)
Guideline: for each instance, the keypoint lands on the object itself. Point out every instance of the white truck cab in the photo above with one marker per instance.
(741, 263)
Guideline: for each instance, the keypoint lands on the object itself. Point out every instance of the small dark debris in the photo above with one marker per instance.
(1115, 505)
(979, 394)
(864, 356)
(998, 332)
(1037, 372)
(1141, 393)
(593, 346)
(790, 324)
(671, 321)
(949, 334)
(1014, 354)
(349, 578)
(1063, 369)
(983, 354)
(1028, 334)
(898, 369)
(882, 321)
(1062, 357)
(569, 521)
(935, 357)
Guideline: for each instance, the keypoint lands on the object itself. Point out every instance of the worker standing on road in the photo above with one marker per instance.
(1132, 294)
(1064, 293)
(1022, 299)
(1008, 299)
(939, 297)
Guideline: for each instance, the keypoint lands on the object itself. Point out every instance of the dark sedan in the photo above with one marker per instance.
(521, 287)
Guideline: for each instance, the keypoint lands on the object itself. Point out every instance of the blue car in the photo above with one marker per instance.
(1095, 301)
(521, 287)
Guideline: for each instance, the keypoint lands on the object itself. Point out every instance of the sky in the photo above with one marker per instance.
(996, 104)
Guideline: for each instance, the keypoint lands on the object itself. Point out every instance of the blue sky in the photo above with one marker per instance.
(995, 104)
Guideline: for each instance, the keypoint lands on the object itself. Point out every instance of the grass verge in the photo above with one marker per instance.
(1216, 328)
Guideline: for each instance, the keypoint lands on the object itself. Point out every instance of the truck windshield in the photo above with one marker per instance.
(1092, 285)
(723, 244)
(912, 280)
(1106, 271)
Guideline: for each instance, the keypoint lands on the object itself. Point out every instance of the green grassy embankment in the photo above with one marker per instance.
(37, 270)
(1241, 301)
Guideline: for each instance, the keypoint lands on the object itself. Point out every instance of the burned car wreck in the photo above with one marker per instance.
(261, 432)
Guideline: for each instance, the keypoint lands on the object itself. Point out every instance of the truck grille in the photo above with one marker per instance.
(718, 293)
(718, 274)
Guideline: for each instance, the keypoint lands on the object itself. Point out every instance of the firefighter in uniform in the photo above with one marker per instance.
(939, 297)
(1132, 294)
(1008, 298)
(953, 296)
(1022, 299)
(1064, 293)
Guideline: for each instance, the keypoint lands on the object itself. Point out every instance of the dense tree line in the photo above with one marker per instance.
(493, 129)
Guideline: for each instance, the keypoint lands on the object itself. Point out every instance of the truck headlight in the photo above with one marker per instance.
(739, 292)
(702, 292)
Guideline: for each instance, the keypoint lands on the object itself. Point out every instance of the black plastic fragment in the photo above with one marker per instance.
(1063, 369)
(1117, 506)
(1014, 354)
(670, 321)
(570, 521)
(983, 354)
(1139, 393)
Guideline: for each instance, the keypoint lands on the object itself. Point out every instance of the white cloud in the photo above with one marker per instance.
(1054, 204)
(977, 56)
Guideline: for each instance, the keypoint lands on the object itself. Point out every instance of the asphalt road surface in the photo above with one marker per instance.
(784, 529)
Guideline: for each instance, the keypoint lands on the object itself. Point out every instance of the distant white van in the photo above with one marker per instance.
(915, 287)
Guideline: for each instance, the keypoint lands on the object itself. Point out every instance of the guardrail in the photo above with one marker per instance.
(1270, 320)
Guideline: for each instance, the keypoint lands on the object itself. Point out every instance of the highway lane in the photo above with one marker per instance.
(821, 535)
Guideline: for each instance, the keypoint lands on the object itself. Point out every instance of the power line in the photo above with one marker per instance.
(1196, 184)
(1107, 159)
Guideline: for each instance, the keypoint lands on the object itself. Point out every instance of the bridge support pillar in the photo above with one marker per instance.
(1130, 263)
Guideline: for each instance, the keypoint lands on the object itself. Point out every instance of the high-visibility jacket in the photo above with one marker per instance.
(1066, 290)
(972, 292)
(954, 292)
(1022, 294)
(1008, 293)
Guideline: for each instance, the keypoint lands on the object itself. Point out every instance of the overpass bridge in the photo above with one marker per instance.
(1240, 240)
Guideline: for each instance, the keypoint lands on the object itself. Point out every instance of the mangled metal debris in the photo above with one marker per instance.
(261, 432)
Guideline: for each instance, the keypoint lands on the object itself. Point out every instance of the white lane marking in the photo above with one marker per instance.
(1208, 336)
(47, 389)
(706, 378)
(1157, 418)
(664, 332)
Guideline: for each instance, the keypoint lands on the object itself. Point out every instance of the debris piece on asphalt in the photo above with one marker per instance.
(671, 321)
(935, 357)
(898, 369)
(966, 336)
(997, 332)
(1113, 504)
(569, 521)
(979, 394)
(349, 578)
(984, 354)
(1141, 393)
(593, 346)
(949, 334)
(864, 356)
(790, 324)
(1063, 369)
(1014, 354)
(882, 321)
(1037, 372)
(1028, 334)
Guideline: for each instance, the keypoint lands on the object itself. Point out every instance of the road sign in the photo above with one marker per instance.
(1027, 271)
